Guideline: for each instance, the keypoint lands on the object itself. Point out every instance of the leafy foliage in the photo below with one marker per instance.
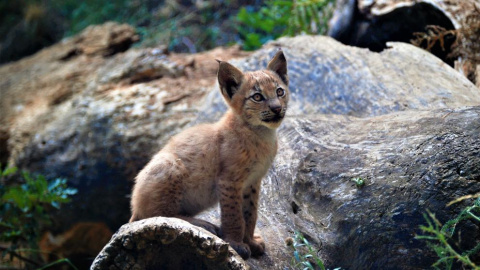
(188, 29)
(80, 14)
(283, 18)
(304, 254)
(25, 205)
(439, 238)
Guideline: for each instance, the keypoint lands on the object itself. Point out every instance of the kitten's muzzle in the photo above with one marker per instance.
(276, 111)
(273, 118)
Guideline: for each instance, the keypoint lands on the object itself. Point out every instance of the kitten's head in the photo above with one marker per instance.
(259, 97)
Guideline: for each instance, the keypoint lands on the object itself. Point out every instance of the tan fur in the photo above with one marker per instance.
(221, 162)
(84, 239)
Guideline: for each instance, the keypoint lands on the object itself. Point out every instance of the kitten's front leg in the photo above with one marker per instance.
(233, 224)
(250, 208)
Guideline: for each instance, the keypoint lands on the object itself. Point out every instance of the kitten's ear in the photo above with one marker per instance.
(229, 78)
(278, 64)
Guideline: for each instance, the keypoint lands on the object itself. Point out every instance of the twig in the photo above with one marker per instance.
(13, 253)
(463, 198)
(65, 260)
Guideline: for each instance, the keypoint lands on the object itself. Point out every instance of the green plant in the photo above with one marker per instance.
(26, 202)
(304, 254)
(175, 25)
(359, 181)
(439, 238)
(283, 18)
(80, 14)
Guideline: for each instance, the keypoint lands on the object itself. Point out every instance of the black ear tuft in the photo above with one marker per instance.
(229, 78)
(278, 64)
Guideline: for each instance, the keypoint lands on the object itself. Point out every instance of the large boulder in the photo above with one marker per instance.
(411, 161)
(396, 118)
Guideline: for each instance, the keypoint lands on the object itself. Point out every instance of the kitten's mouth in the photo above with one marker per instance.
(274, 119)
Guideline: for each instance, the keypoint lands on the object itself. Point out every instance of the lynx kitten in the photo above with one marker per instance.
(224, 161)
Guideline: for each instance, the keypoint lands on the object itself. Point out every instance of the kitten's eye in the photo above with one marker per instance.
(257, 97)
(280, 92)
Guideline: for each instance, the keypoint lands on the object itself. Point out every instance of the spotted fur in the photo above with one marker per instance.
(221, 162)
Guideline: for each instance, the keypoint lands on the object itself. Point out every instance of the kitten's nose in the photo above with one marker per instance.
(276, 109)
(275, 106)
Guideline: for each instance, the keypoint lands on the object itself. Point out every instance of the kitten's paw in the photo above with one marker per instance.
(257, 245)
(241, 248)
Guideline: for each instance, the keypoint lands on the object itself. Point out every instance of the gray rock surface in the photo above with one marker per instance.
(329, 78)
(166, 243)
(411, 161)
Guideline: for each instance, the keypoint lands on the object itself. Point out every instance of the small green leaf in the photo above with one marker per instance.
(9, 171)
(55, 204)
(306, 241)
(308, 265)
(26, 176)
(296, 255)
(252, 41)
(71, 191)
(359, 181)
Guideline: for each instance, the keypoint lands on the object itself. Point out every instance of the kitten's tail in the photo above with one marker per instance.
(133, 218)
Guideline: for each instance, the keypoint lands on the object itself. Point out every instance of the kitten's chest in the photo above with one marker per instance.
(260, 159)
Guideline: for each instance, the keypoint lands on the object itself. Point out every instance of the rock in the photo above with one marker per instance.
(36, 83)
(104, 40)
(412, 161)
(166, 243)
(329, 78)
(139, 66)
